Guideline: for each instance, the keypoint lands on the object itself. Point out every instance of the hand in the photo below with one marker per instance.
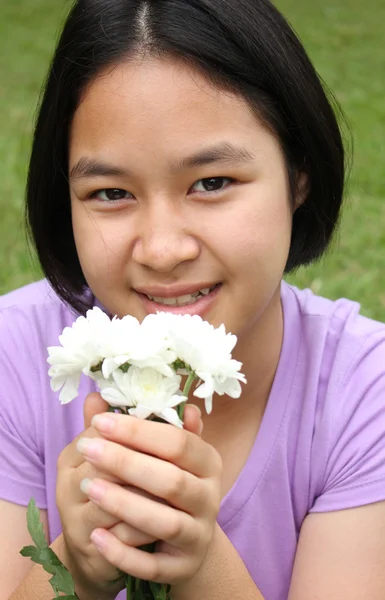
(79, 516)
(182, 476)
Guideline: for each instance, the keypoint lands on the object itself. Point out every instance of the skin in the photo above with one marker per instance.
(151, 481)
(142, 118)
(133, 498)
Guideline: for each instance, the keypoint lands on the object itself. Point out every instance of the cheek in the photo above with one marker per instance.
(101, 243)
(256, 235)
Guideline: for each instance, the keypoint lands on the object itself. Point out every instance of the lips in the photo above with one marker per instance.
(193, 302)
(182, 300)
(174, 291)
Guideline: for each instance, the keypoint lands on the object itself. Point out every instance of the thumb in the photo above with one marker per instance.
(192, 419)
(93, 405)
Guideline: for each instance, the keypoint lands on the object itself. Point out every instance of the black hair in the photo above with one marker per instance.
(245, 46)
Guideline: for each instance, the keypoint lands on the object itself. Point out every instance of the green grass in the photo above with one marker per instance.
(27, 35)
(345, 40)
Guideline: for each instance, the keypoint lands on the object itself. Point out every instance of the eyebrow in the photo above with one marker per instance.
(225, 152)
(86, 168)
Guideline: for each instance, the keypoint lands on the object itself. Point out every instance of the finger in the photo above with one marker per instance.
(70, 457)
(130, 536)
(159, 478)
(167, 442)
(159, 521)
(86, 471)
(70, 498)
(94, 514)
(84, 521)
(160, 567)
(93, 405)
(192, 419)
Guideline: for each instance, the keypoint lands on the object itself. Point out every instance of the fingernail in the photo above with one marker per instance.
(200, 428)
(104, 423)
(85, 486)
(93, 448)
(98, 539)
(93, 489)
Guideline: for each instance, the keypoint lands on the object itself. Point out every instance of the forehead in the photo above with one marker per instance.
(158, 99)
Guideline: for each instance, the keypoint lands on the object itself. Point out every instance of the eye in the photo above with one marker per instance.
(111, 195)
(212, 184)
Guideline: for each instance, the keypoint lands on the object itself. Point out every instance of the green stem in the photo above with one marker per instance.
(190, 380)
(128, 587)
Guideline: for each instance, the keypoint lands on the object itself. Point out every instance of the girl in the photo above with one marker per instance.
(187, 145)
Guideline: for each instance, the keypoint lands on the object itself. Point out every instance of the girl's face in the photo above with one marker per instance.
(176, 187)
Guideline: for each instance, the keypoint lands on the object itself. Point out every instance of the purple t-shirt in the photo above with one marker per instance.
(320, 447)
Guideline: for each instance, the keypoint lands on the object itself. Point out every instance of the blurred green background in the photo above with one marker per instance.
(345, 39)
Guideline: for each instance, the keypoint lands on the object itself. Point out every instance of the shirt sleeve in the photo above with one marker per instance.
(352, 434)
(22, 473)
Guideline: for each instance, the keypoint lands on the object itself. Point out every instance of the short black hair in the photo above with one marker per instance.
(245, 46)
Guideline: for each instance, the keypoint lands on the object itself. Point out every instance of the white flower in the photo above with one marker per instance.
(83, 347)
(77, 352)
(97, 346)
(146, 345)
(117, 390)
(117, 346)
(113, 336)
(147, 391)
(208, 352)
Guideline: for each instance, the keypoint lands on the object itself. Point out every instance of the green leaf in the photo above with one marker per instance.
(35, 526)
(158, 590)
(69, 597)
(30, 552)
(179, 364)
(41, 553)
(62, 580)
(45, 557)
(52, 557)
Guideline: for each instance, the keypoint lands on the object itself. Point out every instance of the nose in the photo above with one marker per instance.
(164, 239)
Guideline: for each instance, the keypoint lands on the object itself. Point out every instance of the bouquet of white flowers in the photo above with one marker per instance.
(139, 369)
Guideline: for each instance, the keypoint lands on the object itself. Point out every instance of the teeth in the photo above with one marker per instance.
(206, 291)
(168, 301)
(186, 299)
(182, 300)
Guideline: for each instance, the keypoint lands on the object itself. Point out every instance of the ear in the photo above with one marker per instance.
(302, 189)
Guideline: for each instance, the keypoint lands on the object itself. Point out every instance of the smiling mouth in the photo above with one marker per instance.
(183, 300)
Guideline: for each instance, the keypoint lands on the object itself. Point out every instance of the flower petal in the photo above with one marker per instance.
(171, 416)
(70, 389)
(207, 388)
(109, 366)
(209, 404)
(140, 411)
(114, 397)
